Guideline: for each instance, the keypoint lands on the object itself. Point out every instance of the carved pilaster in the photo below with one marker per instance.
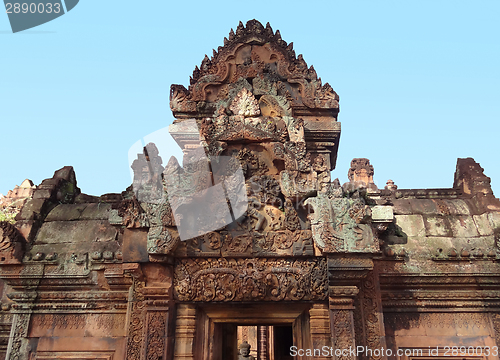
(319, 318)
(342, 321)
(185, 332)
(149, 316)
(156, 334)
(137, 319)
(18, 341)
(372, 332)
(159, 309)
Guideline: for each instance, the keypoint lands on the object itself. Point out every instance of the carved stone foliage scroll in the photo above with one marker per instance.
(157, 322)
(107, 322)
(147, 332)
(368, 318)
(136, 330)
(18, 348)
(342, 325)
(221, 279)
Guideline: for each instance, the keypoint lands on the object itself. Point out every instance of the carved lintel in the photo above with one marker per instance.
(225, 279)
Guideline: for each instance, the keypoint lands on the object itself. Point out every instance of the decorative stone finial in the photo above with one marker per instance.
(361, 170)
(390, 185)
(472, 182)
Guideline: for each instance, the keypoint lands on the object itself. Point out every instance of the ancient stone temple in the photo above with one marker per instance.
(290, 264)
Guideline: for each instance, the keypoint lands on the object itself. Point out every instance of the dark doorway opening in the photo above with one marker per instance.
(268, 342)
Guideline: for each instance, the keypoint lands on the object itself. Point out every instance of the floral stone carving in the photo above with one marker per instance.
(261, 279)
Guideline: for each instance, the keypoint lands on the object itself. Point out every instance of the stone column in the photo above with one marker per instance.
(185, 332)
(262, 342)
(320, 328)
(342, 321)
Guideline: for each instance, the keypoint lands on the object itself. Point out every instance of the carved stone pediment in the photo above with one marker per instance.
(258, 103)
(255, 53)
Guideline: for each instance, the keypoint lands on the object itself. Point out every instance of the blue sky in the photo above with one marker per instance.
(418, 83)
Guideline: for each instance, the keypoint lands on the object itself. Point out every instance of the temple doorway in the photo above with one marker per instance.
(267, 342)
(270, 329)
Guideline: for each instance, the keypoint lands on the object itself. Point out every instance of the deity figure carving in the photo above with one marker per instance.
(244, 348)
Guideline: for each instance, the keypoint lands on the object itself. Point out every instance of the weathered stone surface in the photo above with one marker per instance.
(437, 226)
(27, 228)
(483, 224)
(412, 225)
(85, 199)
(402, 207)
(463, 226)
(135, 247)
(96, 211)
(33, 209)
(457, 207)
(66, 212)
(382, 213)
(424, 207)
(420, 249)
(494, 218)
(57, 232)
